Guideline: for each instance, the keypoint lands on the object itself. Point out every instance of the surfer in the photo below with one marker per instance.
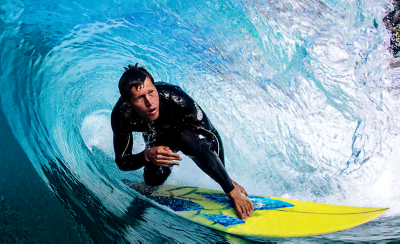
(170, 121)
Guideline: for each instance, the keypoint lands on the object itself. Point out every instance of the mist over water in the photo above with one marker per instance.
(300, 91)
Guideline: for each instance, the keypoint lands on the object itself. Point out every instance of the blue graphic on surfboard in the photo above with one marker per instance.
(188, 204)
(193, 199)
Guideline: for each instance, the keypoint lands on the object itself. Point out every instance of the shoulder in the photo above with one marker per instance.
(124, 119)
(119, 114)
(172, 92)
(165, 89)
(119, 110)
(185, 107)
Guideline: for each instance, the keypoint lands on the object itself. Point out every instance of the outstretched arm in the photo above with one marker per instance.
(202, 153)
(208, 161)
(207, 153)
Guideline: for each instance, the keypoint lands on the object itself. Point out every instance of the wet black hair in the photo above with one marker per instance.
(133, 76)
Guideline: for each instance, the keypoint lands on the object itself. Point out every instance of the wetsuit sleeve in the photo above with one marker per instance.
(124, 158)
(202, 153)
(188, 111)
(207, 154)
(123, 142)
(185, 109)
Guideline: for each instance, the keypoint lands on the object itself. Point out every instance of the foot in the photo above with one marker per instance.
(242, 204)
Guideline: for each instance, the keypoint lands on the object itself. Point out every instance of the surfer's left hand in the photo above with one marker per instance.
(242, 204)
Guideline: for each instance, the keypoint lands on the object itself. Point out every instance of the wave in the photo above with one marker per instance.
(301, 93)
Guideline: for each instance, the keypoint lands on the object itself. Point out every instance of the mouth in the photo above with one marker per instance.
(152, 111)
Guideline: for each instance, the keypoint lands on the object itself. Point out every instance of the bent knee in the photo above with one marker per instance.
(155, 176)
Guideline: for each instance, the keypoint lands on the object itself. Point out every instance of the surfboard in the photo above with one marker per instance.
(272, 217)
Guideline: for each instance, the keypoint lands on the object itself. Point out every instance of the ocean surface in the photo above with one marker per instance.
(301, 92)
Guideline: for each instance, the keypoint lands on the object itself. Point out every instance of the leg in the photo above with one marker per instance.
(155, 175)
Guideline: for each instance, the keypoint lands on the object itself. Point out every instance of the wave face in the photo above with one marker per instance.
(300, 91)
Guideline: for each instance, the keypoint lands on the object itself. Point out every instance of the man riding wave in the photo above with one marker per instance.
(170, 121)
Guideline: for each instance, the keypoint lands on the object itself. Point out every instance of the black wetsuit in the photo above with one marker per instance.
(182, 125)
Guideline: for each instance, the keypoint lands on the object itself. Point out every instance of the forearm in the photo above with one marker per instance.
(203, 154)
(131, 162)
(209, 162)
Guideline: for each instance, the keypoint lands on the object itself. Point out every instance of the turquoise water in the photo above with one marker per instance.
(300, 91)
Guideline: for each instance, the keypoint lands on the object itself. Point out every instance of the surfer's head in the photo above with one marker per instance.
(137, 89)
(133, 76)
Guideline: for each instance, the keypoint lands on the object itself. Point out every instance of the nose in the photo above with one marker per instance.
(148, 101)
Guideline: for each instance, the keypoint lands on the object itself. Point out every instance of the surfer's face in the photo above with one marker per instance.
(145, 101)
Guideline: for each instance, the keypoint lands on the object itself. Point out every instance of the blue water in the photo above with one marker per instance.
(300, 91)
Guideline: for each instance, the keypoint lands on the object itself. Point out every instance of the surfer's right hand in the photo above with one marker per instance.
(162, 156)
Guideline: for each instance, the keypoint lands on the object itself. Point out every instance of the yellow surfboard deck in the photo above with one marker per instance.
(273, 217)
